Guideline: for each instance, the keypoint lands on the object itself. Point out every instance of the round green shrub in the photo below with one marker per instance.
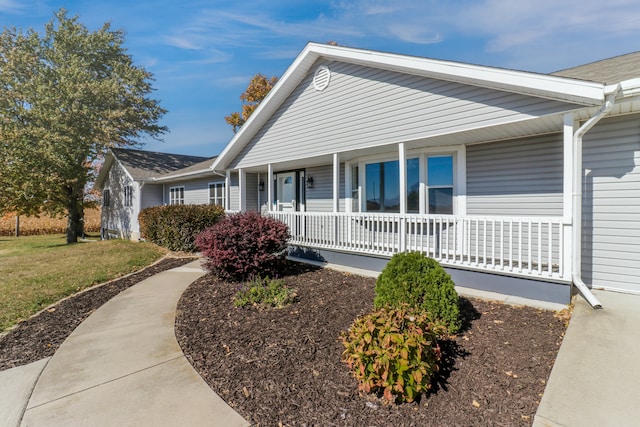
(412, 278)
(393, 351)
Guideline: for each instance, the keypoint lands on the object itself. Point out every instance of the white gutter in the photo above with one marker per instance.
(610, 93)
(182, 176)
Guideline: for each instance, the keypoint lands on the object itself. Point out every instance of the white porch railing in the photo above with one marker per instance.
(531, 246)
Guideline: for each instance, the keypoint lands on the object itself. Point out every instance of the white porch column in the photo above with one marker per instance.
(402, 162)
(422, 196)
(227, 190)
(461, 180)
(242, 184)
(348, 183)
(567, 195)
(336, 182)
(270, 187)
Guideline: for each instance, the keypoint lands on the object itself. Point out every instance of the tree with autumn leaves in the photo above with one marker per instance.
(66, 97)
(254, 94)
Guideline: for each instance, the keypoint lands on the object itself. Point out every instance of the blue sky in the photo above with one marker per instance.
(203, 53)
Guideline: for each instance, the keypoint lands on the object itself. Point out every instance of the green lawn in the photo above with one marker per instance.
(36, 271)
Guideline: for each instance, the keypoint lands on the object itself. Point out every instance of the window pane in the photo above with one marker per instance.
(355, 193)
(413, 185)
(391, 179)
(441, 201)
(373, 189)
(440, 171)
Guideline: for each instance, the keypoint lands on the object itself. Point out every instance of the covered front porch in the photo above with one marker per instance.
(451, 214)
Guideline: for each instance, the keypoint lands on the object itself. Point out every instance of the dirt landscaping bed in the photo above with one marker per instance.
(283, 366)
(41, 335)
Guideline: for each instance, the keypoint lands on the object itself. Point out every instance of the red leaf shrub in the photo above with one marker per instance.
(244, 245)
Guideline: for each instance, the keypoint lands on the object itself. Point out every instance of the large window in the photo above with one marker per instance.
(440, 184)
(176, 196)
(128, 196)
(429, 185)
(383, 186)
(216, 194)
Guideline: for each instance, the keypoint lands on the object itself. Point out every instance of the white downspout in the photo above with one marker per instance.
(577, 196)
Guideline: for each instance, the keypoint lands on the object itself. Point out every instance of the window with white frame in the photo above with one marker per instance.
(440, 184)
(106, 197)
(217, 194)
(382, 190)
(380, 185)
(128, 195)
(355, 189)
(176, 196)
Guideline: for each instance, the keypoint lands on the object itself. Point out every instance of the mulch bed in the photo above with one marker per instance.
(283, 367)
(41, 335)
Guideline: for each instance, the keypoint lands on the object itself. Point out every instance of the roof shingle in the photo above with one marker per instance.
(143, 164)
(607, 71)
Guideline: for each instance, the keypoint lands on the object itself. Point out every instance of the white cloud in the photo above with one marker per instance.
(414, 34)
(10, 6)
(536, 34)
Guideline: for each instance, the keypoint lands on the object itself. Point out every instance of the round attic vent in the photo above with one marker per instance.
(321, 78)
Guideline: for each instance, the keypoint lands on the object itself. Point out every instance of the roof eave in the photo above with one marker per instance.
(183, 176)
(104, 170)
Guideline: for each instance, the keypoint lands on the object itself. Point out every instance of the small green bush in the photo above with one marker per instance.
(264, 292)
(175, 227)
(393, 351)
(414, 279)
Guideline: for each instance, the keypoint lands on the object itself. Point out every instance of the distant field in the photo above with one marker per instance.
(30, 226)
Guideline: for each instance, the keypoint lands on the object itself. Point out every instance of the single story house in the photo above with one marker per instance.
(521, 183)
(131, 180)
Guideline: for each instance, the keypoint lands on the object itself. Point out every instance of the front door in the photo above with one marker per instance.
(289, 192)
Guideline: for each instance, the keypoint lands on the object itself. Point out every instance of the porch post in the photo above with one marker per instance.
(402, 163)
(336, 194)
(270, 187)
(348, 183)
(242, 183)
(567, 196)
(336, 182)
(422, 197)
(461, 180)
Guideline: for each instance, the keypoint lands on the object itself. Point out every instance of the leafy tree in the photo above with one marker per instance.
(258, 89)
(66, 96)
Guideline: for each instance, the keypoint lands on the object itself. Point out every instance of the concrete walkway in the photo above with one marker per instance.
(123, 367)
(596, 376)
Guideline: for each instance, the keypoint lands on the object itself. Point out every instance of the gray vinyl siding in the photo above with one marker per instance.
(196, 192)
(320, 197)
(252, 191)
(118, 217)
(151, 195)
(366, 107)
(234, 192)
(611, 204)
(520, 177)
